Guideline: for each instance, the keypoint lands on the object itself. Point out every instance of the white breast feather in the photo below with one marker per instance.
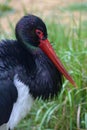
(22, 105)
(3, 127)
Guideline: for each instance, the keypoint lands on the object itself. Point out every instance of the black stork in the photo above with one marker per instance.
(29, 68)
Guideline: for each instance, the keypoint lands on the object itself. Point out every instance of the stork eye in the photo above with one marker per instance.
(39, 33)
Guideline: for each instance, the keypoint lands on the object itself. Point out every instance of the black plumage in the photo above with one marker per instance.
(35, 70)
(24, 58)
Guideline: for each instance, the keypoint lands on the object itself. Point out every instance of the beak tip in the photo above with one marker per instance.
(76, 86)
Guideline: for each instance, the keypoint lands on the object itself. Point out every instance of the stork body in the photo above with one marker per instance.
(27, 71)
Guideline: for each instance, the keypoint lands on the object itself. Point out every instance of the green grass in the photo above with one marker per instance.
(67, 111)
(77, 6)
(5, 9)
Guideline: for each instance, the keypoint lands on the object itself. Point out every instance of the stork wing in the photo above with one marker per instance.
(8, 95)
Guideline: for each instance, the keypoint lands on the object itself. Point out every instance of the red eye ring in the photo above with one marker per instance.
(39, 33)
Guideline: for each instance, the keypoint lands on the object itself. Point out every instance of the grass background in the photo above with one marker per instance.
(67, 111)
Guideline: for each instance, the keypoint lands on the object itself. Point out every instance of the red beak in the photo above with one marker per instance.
(48, 50)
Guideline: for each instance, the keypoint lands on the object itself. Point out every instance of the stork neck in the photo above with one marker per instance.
(27, 52)
(32, 49)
